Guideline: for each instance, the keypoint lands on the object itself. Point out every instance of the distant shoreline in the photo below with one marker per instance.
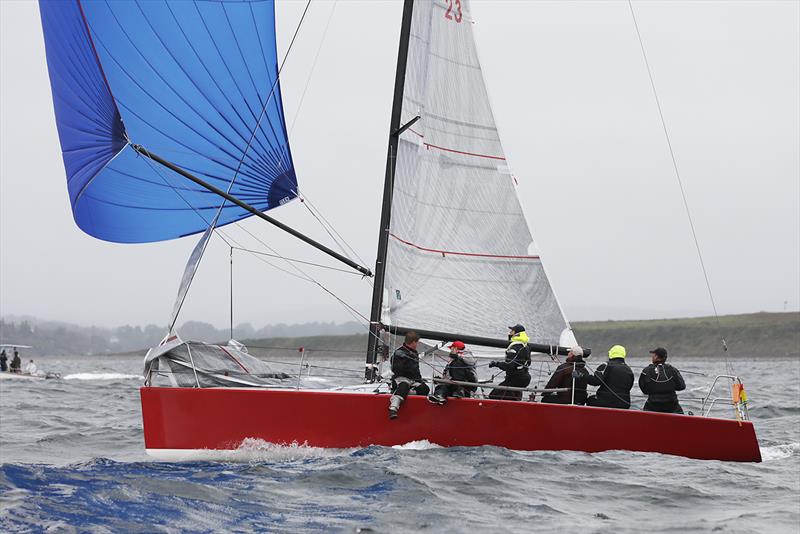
(756, 335)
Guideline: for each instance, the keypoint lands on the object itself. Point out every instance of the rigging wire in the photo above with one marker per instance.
(313, 66)
(229, 240)
(306, 276)
(304, 262)
(256, 128)
(728, 365)
(317, 214)
(343, 245)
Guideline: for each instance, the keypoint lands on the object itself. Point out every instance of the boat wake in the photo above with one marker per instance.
(780, 452)
(100, 376)
(253, 449)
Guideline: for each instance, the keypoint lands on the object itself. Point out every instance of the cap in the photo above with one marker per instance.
(517, 328)
(617, 351)
(660, 352)
(577, 350)
(457, 345)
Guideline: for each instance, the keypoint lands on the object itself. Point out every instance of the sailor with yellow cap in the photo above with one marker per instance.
(615, 379)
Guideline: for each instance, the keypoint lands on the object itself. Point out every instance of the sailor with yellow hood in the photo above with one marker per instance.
(518, 359)
(615, 379)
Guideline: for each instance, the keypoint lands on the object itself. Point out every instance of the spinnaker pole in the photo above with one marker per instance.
(254, 211)
(371, 371)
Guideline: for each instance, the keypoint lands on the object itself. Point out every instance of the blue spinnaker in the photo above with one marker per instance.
(189, 81)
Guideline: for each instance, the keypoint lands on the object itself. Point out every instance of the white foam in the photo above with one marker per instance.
(251, 450)
(779, 452)
(421, 445)
(100, 376)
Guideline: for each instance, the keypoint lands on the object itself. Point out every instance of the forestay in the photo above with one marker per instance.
(461, 257)
(194, 81)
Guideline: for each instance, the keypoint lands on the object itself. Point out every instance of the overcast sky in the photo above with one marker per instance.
(580, 128)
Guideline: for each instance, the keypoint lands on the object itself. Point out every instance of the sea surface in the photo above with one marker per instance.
(72, 460)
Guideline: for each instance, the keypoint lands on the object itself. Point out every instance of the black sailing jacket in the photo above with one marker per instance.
(459, 370)
(615, 379)
(518, 358)
(405, 363)
(660, 382)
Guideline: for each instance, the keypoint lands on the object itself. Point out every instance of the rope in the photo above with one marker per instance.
(729, 367)
(307, 200)
(213, 223)
(343, 245)
(311, 263)
(313, 66)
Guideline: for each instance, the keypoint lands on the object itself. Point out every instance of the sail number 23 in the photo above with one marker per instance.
(450, 14)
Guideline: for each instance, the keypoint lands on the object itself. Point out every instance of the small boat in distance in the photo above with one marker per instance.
(25, 373)
(171, 124)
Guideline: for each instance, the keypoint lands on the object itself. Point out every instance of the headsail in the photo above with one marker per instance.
(461, 257)
(195, 81)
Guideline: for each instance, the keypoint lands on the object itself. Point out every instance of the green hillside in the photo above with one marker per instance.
(754, 334)
(749, 335)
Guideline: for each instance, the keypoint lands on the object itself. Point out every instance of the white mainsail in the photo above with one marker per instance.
(461, 257)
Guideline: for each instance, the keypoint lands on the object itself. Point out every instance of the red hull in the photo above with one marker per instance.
(221, 418)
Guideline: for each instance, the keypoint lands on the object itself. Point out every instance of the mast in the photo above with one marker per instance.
(388, 185)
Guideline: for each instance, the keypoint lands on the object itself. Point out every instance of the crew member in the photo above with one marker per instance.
(460, 368)
(3, 360)
(30, 368)
(615, 379)
(16, 363)
(659, 381)
(571, 374)
(407, 378)
(518, 359)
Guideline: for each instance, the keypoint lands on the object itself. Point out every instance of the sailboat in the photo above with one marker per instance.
(171, 124)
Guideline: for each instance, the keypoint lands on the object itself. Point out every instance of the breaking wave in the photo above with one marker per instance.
(779, 452)
(420, 445)
(100, 376)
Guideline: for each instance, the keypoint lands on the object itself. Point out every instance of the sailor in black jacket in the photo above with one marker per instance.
(518, 359)
(615, 379)
(406, 376)
(460, 368)
(659, 381)
(572, 372)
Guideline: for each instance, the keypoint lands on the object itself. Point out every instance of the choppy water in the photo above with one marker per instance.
(71, 459)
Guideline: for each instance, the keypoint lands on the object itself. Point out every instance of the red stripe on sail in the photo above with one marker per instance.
(472, 254)
(429, 146)
(487, 156)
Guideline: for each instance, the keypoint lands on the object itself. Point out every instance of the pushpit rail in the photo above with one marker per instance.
(738, 397)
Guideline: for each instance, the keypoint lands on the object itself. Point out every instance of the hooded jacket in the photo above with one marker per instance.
(518, 356)
(462, 368)
(660, 382)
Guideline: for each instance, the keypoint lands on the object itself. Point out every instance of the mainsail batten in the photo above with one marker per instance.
(460, 257)
(195, 81)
